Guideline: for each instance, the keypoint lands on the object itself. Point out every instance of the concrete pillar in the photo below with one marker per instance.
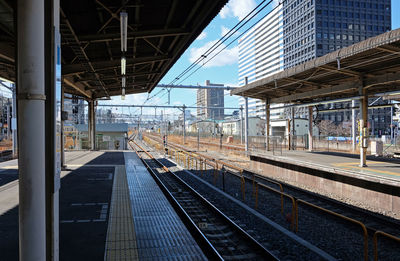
(364, 127)
(267, 124)
(31, 131)
(293, 130)
(246, 123)
(289, 136)
(246, 119)
(353, 126)
(14, 122)
(8, 119)
(241, 124)
(53, 126)
(92, 125)
(62, 130)
(89, 124)
(310, 128)
(391, 123)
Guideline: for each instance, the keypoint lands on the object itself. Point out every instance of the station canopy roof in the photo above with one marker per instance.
(159, 31)
(373, 64)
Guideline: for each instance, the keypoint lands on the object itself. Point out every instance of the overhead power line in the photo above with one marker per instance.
(217, 44)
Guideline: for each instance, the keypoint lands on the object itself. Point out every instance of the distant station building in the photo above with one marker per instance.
(210, 98)
(109, 136)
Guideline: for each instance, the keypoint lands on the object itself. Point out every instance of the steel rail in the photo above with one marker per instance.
(200, 238)
(259, 249)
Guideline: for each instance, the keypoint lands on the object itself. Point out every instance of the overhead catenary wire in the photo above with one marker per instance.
(217, 44)
(234, 40)
(225, 37)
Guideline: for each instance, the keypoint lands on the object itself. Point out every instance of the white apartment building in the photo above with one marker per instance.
(261, 55)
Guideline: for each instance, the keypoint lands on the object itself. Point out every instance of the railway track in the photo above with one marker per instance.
(216, 233)
(312, 204)
(374, 222)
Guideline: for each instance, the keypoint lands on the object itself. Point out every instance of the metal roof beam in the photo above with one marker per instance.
(79, 87)
(69, 69)
(6, 52)
(112, 77)
(306, 82)
(388, 78)
(342, 71)
(96, 38)
(319, 92)
(390, 49)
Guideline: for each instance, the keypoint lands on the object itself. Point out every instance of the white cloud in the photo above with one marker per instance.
(224, 30)
(202, 36)
(275, 3)
(237, 8)
(132, 99)
(226, 57)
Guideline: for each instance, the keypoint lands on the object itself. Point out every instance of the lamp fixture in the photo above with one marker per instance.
(123, 65)
(123, 81)
(123, 94)
(124, 30)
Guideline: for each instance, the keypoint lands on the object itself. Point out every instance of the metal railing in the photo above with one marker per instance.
(202, 161)
(386, 235)
(364, 229)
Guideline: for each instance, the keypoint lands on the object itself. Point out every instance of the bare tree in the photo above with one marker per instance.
(327, 127)
(343, 129)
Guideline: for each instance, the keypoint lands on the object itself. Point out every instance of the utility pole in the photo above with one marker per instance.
(246, 120)
(241, 124)
(184, 124)
(198, 138)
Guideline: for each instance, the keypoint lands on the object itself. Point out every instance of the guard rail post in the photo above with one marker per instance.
(376, 241)
(365, 232)
(256, 205)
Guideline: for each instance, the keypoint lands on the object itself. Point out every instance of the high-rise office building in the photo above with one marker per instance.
(210, 98)
(313, 28)
(307, 29)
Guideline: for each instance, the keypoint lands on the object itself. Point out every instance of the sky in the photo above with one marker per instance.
(224, 67)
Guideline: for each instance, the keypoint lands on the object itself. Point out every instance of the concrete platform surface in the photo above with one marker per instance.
(377, 169)
(108, 211)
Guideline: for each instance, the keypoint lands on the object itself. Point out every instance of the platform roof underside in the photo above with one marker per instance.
(159, 31)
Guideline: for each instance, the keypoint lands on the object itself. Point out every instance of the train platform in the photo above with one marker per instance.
(378, 168)
(336, 174)
(110, 209)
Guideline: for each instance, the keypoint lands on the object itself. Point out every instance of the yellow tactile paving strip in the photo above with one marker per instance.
(121, 239)
(354, 165)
